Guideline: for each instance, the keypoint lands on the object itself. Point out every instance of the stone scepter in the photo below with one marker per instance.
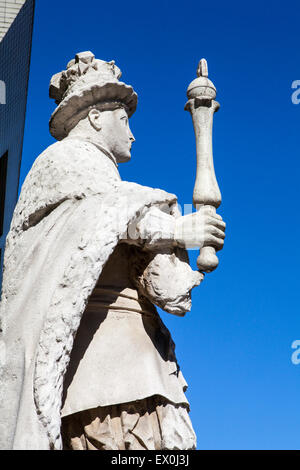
(201, 104)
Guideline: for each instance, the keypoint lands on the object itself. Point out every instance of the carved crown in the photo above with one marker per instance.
(86, 82)
(81, 70)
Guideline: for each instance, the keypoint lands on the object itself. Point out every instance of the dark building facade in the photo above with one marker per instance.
(15, 49)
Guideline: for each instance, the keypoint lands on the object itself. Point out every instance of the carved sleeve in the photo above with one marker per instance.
(153, 230)
(161, 271)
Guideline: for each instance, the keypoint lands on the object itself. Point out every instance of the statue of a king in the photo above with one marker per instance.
(85, 359)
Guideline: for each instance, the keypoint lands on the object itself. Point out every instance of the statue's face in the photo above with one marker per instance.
(116, 134)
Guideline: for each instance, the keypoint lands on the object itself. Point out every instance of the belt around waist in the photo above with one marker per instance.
(114, 299)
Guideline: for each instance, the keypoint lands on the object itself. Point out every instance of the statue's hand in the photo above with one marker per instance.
(200, 229)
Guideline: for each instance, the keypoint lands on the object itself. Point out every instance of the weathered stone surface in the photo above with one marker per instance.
(64, 275)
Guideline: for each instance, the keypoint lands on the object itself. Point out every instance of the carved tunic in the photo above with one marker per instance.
(122, 352)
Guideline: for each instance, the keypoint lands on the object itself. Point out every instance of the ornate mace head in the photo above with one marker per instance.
(202, 87)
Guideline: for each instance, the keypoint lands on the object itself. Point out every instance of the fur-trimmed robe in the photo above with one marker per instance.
(72, 212)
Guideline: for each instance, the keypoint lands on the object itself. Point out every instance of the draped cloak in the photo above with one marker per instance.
(72, 212)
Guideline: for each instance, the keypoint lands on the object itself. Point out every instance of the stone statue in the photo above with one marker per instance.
(85, 360)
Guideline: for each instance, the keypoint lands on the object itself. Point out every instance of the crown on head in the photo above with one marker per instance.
(85, 83)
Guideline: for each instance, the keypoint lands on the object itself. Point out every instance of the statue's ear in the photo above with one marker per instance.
(95, 119)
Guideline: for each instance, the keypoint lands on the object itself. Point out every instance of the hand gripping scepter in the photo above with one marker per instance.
(201, 103)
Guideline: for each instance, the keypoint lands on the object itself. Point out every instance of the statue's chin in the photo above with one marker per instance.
(123, 158)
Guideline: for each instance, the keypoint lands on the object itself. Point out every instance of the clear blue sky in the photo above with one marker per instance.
(235, 346)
